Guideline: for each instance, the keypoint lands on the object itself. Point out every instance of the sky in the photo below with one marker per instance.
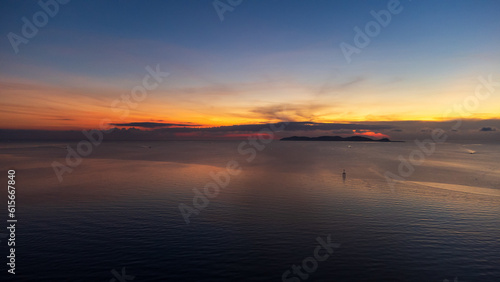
(220, 69)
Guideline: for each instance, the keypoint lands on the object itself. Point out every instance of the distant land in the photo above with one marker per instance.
(335, 138)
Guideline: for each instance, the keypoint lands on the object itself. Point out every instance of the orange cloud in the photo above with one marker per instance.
(370, 134)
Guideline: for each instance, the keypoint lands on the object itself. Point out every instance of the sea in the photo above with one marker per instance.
(237, 211)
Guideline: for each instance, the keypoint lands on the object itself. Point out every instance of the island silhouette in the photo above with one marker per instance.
(335, 138)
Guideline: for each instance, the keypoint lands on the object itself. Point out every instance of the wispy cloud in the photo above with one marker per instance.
(154, 124)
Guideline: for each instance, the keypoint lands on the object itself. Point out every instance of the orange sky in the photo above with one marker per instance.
(33, 105)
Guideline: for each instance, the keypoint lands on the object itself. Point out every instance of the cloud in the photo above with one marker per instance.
(309, 126)
(372, 134)
(291, 126)
(487, 129)
(307, 110)
(280, 112)
(154, 124)
(354, 81)
(329, 87)
(411, 130)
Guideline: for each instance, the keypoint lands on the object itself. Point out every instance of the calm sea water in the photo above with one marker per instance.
(120, 209)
